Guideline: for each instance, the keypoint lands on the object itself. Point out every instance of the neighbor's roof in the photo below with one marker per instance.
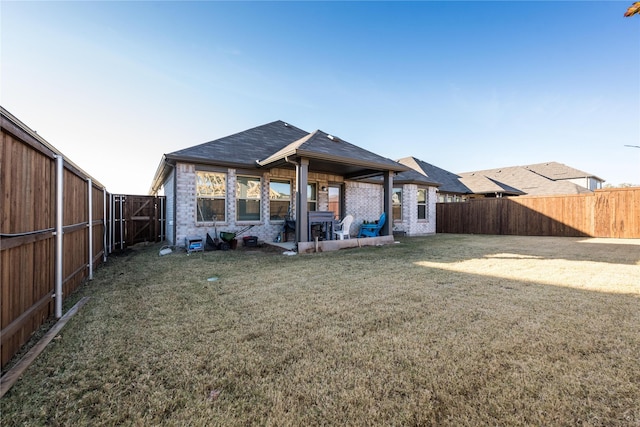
(537, 179)
(521, 178)
(558, 171)
(481, 184)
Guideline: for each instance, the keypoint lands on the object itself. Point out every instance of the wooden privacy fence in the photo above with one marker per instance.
(51, 234)
(604, 213)
(56, 224)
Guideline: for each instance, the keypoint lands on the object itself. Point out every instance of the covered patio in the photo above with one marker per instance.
(324, 153)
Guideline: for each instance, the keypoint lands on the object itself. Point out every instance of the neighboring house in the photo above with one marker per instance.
(251, 179)
(562, 173)
(455, 188)
(539, 179)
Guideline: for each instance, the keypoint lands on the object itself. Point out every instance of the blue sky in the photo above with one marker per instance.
(462, 85)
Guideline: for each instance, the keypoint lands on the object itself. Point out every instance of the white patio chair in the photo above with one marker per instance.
(344, 225)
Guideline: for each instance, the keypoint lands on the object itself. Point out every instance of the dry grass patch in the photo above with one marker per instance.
(445, 330)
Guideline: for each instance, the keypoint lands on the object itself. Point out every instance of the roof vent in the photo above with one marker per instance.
(286, 124)
(333, 138)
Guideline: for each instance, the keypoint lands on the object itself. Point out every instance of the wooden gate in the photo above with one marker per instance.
(137, 219)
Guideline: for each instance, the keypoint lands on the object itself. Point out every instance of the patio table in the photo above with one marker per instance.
(323, 218)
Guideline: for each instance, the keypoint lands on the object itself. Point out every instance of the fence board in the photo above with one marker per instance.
(604, 213)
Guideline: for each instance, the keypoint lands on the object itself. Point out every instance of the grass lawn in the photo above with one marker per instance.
(443, 330)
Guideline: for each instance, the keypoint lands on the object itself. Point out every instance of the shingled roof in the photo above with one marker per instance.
(481, 184)
(537, 179)
(279, 144)
(448, 182)
(330, 150)
(524, 179)
(559, 171)
(242, 149)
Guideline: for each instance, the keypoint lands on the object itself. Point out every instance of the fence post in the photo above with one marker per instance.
(112, 225)
(162, 220)
(104, 225)
(90, 249)
(59, 231)
(121, 222)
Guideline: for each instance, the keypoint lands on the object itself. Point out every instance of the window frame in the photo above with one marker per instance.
(214, 196)
(425, 203)
(240, 199)
(395, 205)
(312, 200)
(289, 199)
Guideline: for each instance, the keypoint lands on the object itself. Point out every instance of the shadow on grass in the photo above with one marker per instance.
(613, 251)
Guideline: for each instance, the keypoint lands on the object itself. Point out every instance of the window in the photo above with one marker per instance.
(423, 208)
(211, 196)
(247, 198)
(312, 197)
(397, 204)
(279, 199)
(335, 200)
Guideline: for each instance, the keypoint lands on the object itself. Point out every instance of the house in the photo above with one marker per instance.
(538, 179)
(274, 175)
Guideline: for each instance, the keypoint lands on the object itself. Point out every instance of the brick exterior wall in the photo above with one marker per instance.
(185, 202)
(362, 200)
(410, 224)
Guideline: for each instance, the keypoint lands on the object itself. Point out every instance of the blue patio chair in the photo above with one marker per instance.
(372, 230)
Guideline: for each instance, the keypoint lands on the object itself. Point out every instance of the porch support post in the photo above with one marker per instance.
(302, 179)
(387, 228)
